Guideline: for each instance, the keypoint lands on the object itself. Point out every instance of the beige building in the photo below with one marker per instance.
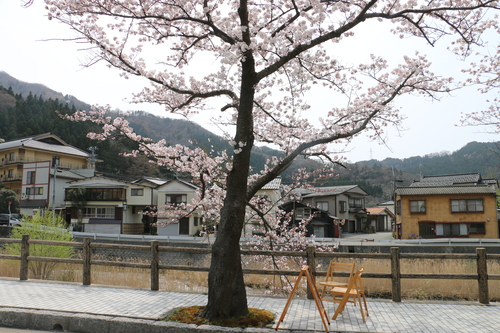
(30, 167)
(450, 206)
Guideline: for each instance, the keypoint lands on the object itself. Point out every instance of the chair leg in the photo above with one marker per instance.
(366, 306)
(361, 309)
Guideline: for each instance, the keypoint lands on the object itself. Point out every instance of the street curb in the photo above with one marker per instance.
(89, 323)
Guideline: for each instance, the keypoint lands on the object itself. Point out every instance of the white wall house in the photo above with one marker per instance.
(171, 193)
(42, 186)
(109, 205)
(271, 195)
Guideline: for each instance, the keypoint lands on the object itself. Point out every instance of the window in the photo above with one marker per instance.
(55, 161)
(417, 206)
(175, 199)
(356, 203)
(343, 206)
(137, 192)
(466, 205)
(34, 190)
(198, 221)
(477, 228)
(112, 194)
(302, 213)
(319, 231)
(12, 157)
(323, 205)
(30, 179)
(99, 212)
(451, 229)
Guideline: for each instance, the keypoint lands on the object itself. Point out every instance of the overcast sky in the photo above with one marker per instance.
(30, 53)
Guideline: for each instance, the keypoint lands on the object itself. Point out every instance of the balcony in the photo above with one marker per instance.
(11, 178)
(95, 194)
(22, 160)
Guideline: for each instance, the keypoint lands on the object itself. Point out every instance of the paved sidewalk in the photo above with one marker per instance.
(126, 304)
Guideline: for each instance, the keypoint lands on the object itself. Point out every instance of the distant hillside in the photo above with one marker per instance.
(28, 109)
(24, 88)
(482, 157)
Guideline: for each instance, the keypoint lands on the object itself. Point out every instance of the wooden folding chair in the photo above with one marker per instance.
(353, 293)
(335, 267)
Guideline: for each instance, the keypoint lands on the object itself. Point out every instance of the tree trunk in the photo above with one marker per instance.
(226, 288)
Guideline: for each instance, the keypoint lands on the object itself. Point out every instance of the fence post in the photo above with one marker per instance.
(25, 252)
(396, 274)
(87, 254)
(482, 276)
(311, 262)
(155, 262)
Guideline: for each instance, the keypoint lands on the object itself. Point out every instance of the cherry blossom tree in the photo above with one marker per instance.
(261, 60)
(486, 74)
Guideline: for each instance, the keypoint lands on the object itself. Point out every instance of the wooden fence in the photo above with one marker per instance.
(310, 256)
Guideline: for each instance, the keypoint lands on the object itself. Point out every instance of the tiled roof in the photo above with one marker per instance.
(448, 180)
(328, 190)
(152, 180)
(67, 174)
(375, 210)
(273, 184)
(47, 142)
(457, 189)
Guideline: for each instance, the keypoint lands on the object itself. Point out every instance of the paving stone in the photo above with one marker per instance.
(77, 308)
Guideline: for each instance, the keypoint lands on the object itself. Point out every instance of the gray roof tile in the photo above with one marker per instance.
(457, 189)
(448, 180)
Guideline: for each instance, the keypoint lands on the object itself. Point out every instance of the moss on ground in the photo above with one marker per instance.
(191, 315)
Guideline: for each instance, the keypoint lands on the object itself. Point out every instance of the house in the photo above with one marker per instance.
(462, 205)
(172, 194)
(105, 205)
(269, 197)
(44, 185)
(321, 225)
(344, 204)
(31, 167)
(379, 218)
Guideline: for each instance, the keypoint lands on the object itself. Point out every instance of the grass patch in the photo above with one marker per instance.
(191, 315)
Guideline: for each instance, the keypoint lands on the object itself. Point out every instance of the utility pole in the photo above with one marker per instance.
(55, 163)
(394, 186)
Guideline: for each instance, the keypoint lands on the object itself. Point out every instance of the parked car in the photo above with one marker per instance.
(14, 222)
(11, 220)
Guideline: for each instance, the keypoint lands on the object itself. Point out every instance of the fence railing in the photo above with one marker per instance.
(310, 255)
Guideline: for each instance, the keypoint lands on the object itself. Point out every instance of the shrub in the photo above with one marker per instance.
(42, 227)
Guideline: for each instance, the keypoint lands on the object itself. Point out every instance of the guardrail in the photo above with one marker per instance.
(310, 256)
(337, 241)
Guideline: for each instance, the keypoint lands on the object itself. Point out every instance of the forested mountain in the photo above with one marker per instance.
(24, 113)
(473, 157)
(24, 88)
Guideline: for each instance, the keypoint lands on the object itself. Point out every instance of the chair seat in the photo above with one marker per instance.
(342, 290)
(333, 284)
